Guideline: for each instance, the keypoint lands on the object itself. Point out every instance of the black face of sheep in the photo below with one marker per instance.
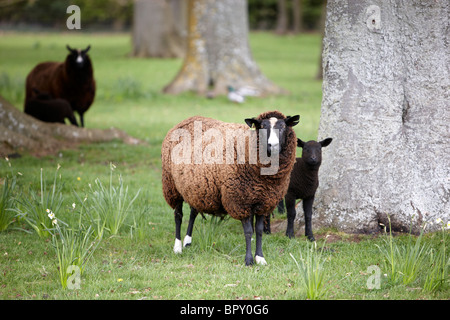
(78, 58)
(312, 151)
(275, 131)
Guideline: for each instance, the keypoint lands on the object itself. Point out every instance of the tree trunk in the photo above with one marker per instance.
(159, 28)
(218, 53)
(21, 132)
(282, 17)
(297, 16)
(386, 105)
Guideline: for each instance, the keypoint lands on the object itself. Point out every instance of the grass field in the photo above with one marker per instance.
(138, 261)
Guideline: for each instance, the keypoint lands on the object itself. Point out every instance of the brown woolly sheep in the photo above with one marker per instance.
(43, 107)
(303, 185)
(72, 80)
(196, 170)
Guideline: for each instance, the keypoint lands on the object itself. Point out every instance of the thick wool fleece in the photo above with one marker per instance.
(235, 189)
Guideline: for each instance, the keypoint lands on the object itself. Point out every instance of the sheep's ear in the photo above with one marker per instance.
(292, 121)
(300, 143)
(70, 49)
(326, 142)
(87, 49)
(253, 123)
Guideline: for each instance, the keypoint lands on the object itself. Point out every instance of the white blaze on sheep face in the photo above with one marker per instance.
(79, 57)
(273, 143)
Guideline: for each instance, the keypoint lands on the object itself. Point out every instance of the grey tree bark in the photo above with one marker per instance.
(386, 105)
(159, 28)
(218, 53)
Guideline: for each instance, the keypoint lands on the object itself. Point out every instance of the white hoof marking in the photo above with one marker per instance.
(260, 260)
(187, 241)
(177, 248)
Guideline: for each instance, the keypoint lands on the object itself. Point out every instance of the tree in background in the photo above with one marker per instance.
(386, 93)
(218, 53)
(118, 14)
(159, 28)
(115, 14)
(283, 17)
(297, 16)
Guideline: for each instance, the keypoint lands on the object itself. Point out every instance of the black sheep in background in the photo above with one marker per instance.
(71, 80)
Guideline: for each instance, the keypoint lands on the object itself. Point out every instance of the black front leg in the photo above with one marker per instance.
(178, 213)
(290, 208)
(188, 238)
(82, 120)
(307, 209)
(248, 232)
(73, 120)
(267, 224)
(259, 226)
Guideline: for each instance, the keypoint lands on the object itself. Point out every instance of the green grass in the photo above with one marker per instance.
(138, 262)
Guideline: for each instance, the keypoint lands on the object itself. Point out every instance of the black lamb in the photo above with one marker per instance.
(303, 185)
(46, 108)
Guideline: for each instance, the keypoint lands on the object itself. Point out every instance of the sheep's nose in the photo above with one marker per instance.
(273, 147)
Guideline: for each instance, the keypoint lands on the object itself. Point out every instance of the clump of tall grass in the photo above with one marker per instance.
(74, 246)
(311, 266)
(33, 209)
(405, 262)
(438, 263)
(107, 208)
